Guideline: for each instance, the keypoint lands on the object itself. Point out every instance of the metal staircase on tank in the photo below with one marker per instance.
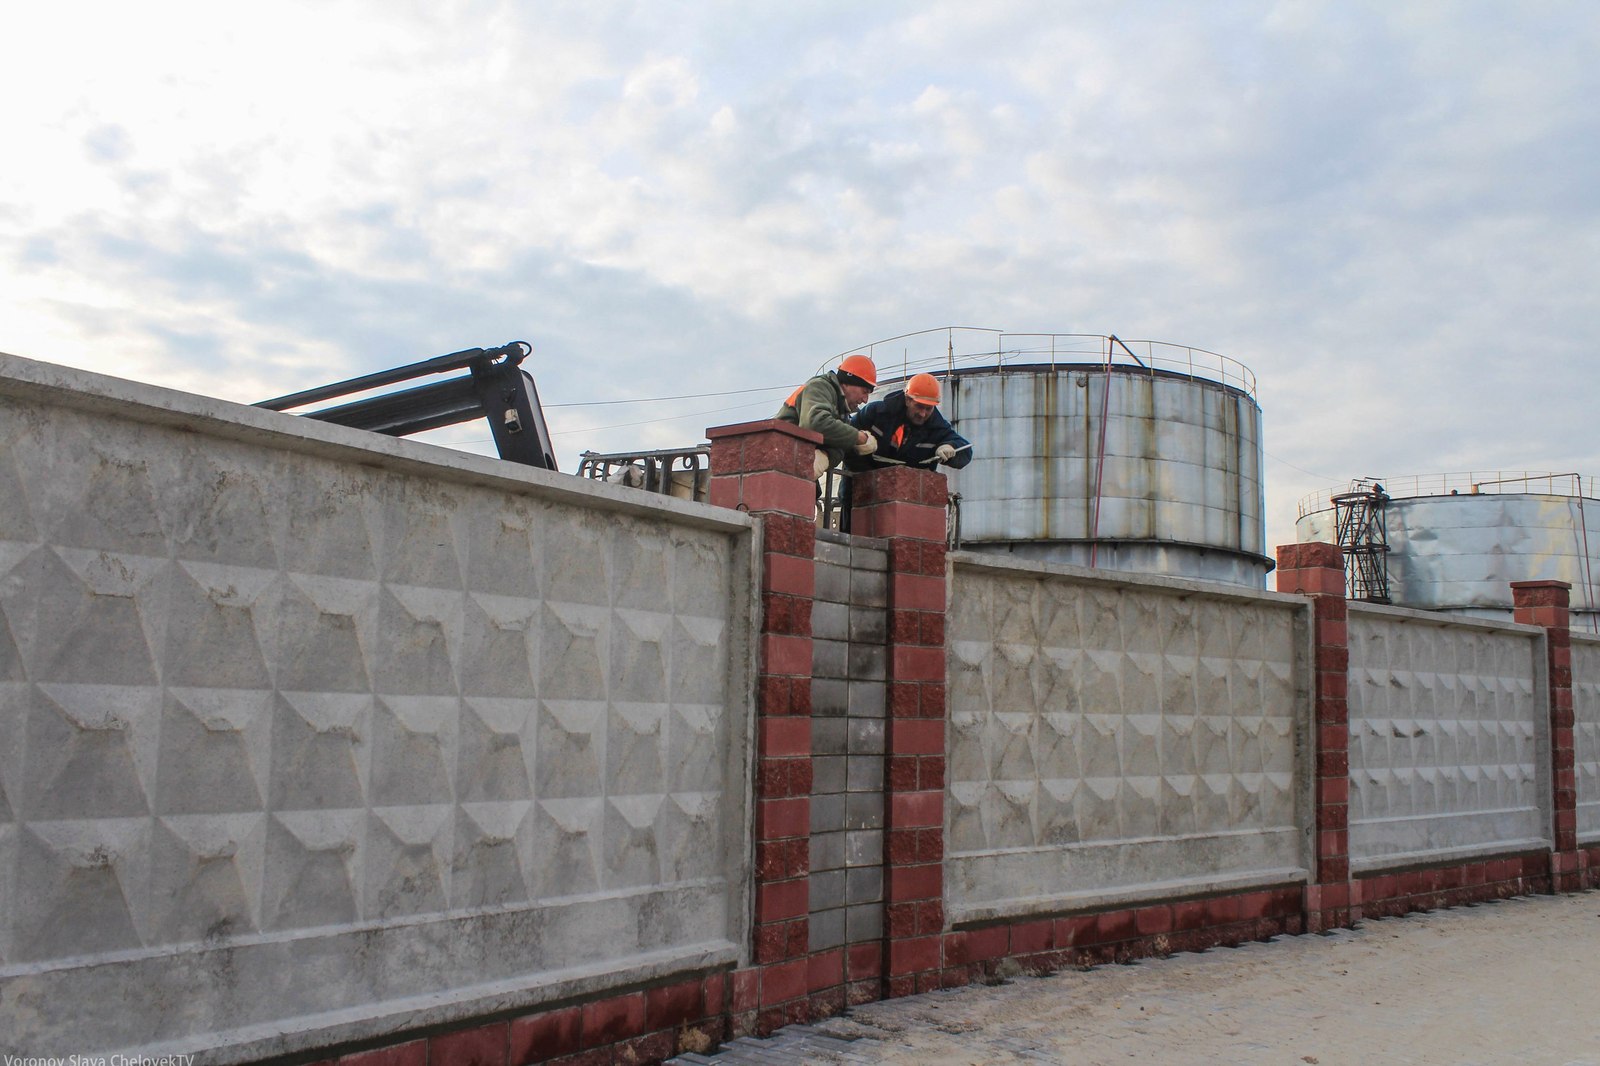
(1364, 540)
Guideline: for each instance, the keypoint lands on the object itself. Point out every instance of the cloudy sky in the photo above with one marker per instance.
(1389, 211)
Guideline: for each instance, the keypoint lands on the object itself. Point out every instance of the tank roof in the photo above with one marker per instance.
(1468, 483)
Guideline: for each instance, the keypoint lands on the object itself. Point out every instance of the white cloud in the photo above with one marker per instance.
(1389, 212)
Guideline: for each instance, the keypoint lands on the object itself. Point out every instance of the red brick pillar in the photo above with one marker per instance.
(765, 468)
(1546, 604)
(907, 506)
(1317, 570)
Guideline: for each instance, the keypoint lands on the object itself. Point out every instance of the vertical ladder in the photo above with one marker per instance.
(1364, 538)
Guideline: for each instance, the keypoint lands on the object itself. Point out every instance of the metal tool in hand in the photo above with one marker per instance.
(902, 462)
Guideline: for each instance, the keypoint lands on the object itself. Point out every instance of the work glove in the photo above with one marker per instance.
(868, 446)
(819, 464)
(944, 453)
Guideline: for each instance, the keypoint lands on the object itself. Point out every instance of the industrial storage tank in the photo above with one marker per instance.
(1455, 542)
(1138, 456)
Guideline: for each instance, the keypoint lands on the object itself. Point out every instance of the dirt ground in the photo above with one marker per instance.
(1516, 981)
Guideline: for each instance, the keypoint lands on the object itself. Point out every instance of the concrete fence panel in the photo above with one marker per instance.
(1121, 739)
(308, 735)
(1586, 733)
(1449, 738)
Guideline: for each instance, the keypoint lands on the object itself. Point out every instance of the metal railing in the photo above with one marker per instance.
(950, 348)
(681, 472)
(1468, 483)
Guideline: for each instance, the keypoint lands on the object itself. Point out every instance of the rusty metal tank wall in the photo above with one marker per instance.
(1180, 492)
(1460, 553)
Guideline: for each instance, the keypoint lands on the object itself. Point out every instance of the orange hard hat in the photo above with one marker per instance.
(860, 366)
(924, 388)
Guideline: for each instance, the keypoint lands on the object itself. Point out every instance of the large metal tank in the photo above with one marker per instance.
(1457, 541)
(1146, 460)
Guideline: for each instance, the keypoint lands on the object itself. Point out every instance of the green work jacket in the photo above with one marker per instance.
(819, 404)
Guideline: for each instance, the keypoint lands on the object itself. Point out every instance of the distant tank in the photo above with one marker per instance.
(1455, 542)
(1137, 456)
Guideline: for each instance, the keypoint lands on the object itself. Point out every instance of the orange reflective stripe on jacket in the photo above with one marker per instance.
(794, 398)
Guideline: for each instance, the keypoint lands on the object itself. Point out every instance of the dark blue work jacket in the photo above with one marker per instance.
(898, 439)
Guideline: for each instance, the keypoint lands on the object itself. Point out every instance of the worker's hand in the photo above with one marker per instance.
(868, 444)
(944, 453)
(819, 463)
(862, 436)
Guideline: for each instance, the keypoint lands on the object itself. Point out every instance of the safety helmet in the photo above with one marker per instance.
(924, 388)
(860, 366)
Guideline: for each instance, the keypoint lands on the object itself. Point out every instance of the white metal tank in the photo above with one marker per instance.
(1457, 541)
(1137, 456)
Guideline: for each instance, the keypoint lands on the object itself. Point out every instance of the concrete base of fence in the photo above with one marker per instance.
(695, 1014)
(1389, 894)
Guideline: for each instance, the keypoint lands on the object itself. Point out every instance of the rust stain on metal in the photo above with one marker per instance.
(1044, 420)
(1149, 454)
(1090, 447)
(1233, 497)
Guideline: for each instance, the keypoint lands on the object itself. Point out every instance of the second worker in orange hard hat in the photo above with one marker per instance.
(825, 403)
(909, 429)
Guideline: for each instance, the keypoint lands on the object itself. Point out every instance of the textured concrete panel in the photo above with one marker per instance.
(313, 735)
(1586, 732)
(1119, 739)
(1447, 737)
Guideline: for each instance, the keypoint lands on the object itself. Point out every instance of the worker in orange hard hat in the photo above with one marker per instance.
(909, 429)
(824, 404)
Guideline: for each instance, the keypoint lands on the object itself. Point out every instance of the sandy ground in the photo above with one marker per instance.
(1516, 981)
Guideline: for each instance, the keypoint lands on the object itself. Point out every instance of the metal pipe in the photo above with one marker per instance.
(516, 351)
(1100, 461)
(1588, 567)
(1118, 341)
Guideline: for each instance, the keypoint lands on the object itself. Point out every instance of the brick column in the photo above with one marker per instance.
(1546, 604)
(907, 507)
(1317, 570)
(765, 468)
